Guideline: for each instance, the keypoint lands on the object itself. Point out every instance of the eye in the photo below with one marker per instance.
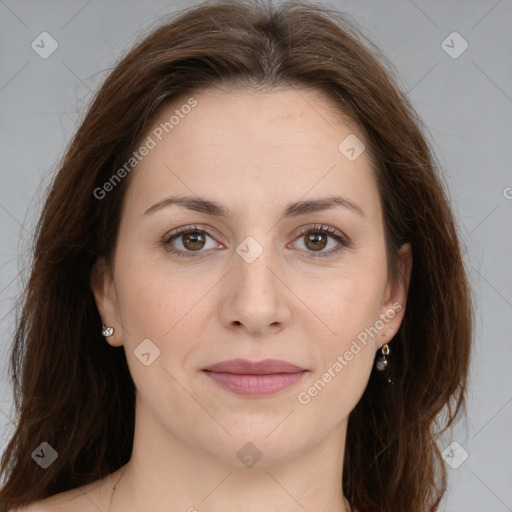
(316, 239)
(193, 240)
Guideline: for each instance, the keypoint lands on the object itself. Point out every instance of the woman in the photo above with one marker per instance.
(247, 288)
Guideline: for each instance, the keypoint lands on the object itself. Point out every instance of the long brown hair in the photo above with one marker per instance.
(74, 391)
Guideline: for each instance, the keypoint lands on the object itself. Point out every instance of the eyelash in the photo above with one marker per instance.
(170, 237)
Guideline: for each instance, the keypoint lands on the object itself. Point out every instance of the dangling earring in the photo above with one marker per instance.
(382, 364)
(107, 332)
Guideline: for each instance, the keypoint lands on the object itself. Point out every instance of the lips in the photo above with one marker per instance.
(244, 367)
(254, 379)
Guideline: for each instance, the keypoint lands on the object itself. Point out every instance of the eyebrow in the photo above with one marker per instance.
(202, 205)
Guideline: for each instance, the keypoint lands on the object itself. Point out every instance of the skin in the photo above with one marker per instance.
(254, 152)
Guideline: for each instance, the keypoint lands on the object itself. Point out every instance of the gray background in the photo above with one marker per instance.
(466, 102)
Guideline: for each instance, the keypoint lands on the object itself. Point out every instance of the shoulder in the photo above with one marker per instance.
(82, 499)
(87, 498)
(63, 502)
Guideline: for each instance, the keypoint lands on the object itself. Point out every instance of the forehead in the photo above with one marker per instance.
(252, 146)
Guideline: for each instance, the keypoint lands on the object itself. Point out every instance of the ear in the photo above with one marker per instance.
(103, 289)
(395, 296)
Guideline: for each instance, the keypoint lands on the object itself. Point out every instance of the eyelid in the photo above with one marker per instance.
(321, 227)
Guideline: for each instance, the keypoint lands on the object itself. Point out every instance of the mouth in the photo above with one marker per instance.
(253, 379)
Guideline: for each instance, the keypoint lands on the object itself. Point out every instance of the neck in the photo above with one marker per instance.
(172, 471)
(333, 506)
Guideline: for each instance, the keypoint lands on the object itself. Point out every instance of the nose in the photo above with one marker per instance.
(255, 294)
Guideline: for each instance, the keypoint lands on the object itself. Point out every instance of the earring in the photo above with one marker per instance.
(107, 332)
(382, 364)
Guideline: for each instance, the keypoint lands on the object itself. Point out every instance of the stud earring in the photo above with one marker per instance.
(107, 332)
(382, 364)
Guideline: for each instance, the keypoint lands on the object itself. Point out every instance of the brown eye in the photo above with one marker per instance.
(316, 241)
(193, 241)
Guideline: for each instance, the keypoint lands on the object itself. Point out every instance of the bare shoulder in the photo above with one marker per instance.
(63, 502)
(88, 498)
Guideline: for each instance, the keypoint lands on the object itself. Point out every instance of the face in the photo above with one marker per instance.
(264, 281)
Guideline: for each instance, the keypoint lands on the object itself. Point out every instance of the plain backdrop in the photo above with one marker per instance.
(464, 97)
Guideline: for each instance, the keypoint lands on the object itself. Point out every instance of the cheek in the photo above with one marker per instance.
(347, 303)
(150, 296)
(155, 307)
(163, 306)
(333, 392)
(344, 356)
(145, 307)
